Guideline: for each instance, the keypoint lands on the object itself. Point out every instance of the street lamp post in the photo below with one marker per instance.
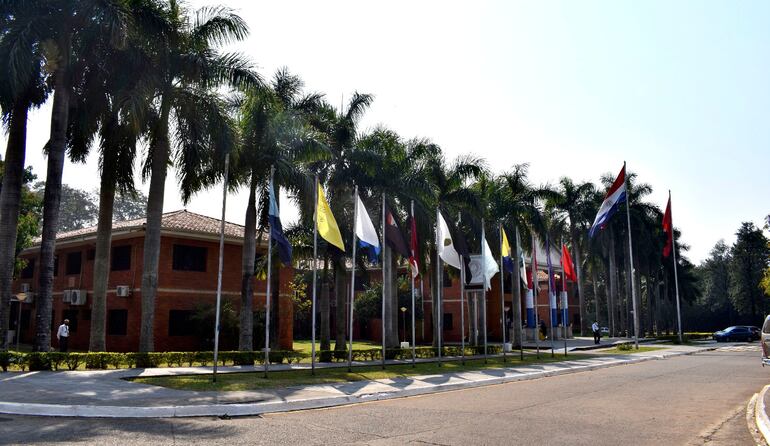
(403, 319)
(21, 297)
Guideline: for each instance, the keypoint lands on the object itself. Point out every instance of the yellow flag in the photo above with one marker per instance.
(505, 249)
(327, 225)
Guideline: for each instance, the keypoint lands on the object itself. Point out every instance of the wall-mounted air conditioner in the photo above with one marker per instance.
(123, 290)
(78, 297)
(30, 298)
(66, 296)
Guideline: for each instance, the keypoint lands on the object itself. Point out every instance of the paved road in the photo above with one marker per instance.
(697, 399)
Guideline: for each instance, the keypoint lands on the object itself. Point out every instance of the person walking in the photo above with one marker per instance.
(597, 334)
(63, 335)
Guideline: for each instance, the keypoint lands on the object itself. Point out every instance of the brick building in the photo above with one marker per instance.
(187, 282)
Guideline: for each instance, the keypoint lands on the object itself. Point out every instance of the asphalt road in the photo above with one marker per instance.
(698, 399)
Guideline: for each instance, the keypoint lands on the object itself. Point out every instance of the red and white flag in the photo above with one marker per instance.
(413, 250)
(668, 229)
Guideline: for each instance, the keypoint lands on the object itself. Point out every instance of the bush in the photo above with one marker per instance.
(625, 347)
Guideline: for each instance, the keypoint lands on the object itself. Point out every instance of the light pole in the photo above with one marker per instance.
(403, 319)
(21, 297)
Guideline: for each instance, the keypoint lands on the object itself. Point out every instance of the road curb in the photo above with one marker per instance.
(760, 415)
(250, 409)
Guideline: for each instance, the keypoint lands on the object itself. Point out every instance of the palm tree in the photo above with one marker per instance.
(22, 87)
(574, 200)
(189, 68)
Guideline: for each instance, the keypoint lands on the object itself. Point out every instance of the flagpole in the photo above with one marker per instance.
(315, 267)
(219, 271)
(502, 289)
(269, 281)
(535, 293)
(384, 265)
(676, 277)
(551, 294)
(462, 300)
(564, 311)
(352, 280)
(439, 286)
(517, 292)
(414, 340)
(631, 258)
(484, 286)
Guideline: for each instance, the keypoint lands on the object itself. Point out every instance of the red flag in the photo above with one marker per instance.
(413, 250)
(668, 229)
(566, 262)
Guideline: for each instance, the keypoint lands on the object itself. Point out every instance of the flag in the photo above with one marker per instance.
(446, 248)
(523, 268)
(488, 263)
(615, 196)
(668, 229)
(327, 225)
(566, 262)
(551, 285)
(393, 235)
(505, 252)
(276, 229)
(462, 249)
(532, 286)
(367, 236)
(413, 249)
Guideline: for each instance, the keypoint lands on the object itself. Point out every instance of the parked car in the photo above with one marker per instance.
(735, 333)
(765, 336)
(756, 332)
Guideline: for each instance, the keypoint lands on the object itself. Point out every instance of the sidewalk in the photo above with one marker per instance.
(105, 393)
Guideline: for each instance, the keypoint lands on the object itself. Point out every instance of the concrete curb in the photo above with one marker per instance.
(246, 409)
(760, 415)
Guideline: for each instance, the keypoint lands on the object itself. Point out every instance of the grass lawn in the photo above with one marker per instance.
(278, 379)
(617, 351)
(303, 345)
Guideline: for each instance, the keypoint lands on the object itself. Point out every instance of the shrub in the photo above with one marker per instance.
(624, 347)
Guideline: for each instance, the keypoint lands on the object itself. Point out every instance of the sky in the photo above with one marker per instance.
(678, 90)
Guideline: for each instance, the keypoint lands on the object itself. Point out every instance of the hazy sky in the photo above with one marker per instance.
(677, 89)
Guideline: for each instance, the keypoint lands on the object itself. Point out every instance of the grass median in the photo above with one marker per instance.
(289, 378)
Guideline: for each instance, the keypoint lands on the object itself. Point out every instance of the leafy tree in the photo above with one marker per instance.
(130, 206)
(78, 208)
(750, 258)
(31, 208)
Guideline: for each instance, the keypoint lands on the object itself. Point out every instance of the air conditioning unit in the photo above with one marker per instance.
(24, 288)
(78, 297)
(66, 296)
(123, 290)
(30, 298)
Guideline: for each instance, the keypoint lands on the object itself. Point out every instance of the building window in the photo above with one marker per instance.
(179, 323)
(447, 319)
(28, 270)
(117, 322)
(74, 261)
(507, 283)
(90, 254)
(72, 315)
(121, 258)
(189, 258)
(446, 279)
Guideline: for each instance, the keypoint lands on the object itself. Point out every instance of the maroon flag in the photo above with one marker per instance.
(668, 229)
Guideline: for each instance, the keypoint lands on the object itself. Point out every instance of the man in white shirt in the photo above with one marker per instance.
(63, 335)
(597, 334)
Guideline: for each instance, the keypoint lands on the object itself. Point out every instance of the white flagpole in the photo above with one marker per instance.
(484, 287)
(352, 280)
(676, 277)
(564, 311)
(462, 300)
(315, 267)
(516, 292)
(551, 294)
(439, 286)
(385, 260)
(535, 294)
(631, 258)
(219, 271)
(502, 289)
(269, 275)
(414, 340)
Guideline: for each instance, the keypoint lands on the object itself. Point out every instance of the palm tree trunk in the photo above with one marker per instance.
(10, 204)
(52, 197)
(516, 290)
(581, 300)
(97, 341)
(613, 284)
(160, 156)
(340, 313)
(246, 337)
(596, 294)
(391, 303)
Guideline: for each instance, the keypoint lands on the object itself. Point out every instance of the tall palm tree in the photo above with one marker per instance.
(190, 125)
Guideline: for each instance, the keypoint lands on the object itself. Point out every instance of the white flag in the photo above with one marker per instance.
(446, 248)
(490, 266)
(364, 227)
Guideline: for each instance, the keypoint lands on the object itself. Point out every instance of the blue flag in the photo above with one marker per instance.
(276, 230)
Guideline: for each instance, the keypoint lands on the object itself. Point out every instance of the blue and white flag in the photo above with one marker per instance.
(276, 230)
(367, 236)
(616, 195)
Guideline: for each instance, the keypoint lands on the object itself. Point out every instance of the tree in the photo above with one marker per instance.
(750, 258)
(190, 124)
(129, 206)
(78, 208)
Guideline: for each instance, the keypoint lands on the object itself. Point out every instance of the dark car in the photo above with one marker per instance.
(736, 333)
(756, 332)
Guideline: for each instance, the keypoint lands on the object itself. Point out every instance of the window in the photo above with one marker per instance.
(91, 254)
(189, 258)
(362, 281)
(121, 258)
(179, 323)
(446, 279)
(74, 260)
(507, 282)
(117, 322)
(28, 270)
(72, 315)
(447, 321)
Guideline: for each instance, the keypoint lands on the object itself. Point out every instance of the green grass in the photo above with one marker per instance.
(303, 345)
(617, 351)
(280, 379)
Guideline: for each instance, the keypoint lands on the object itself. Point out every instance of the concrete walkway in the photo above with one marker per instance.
(105, 393)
